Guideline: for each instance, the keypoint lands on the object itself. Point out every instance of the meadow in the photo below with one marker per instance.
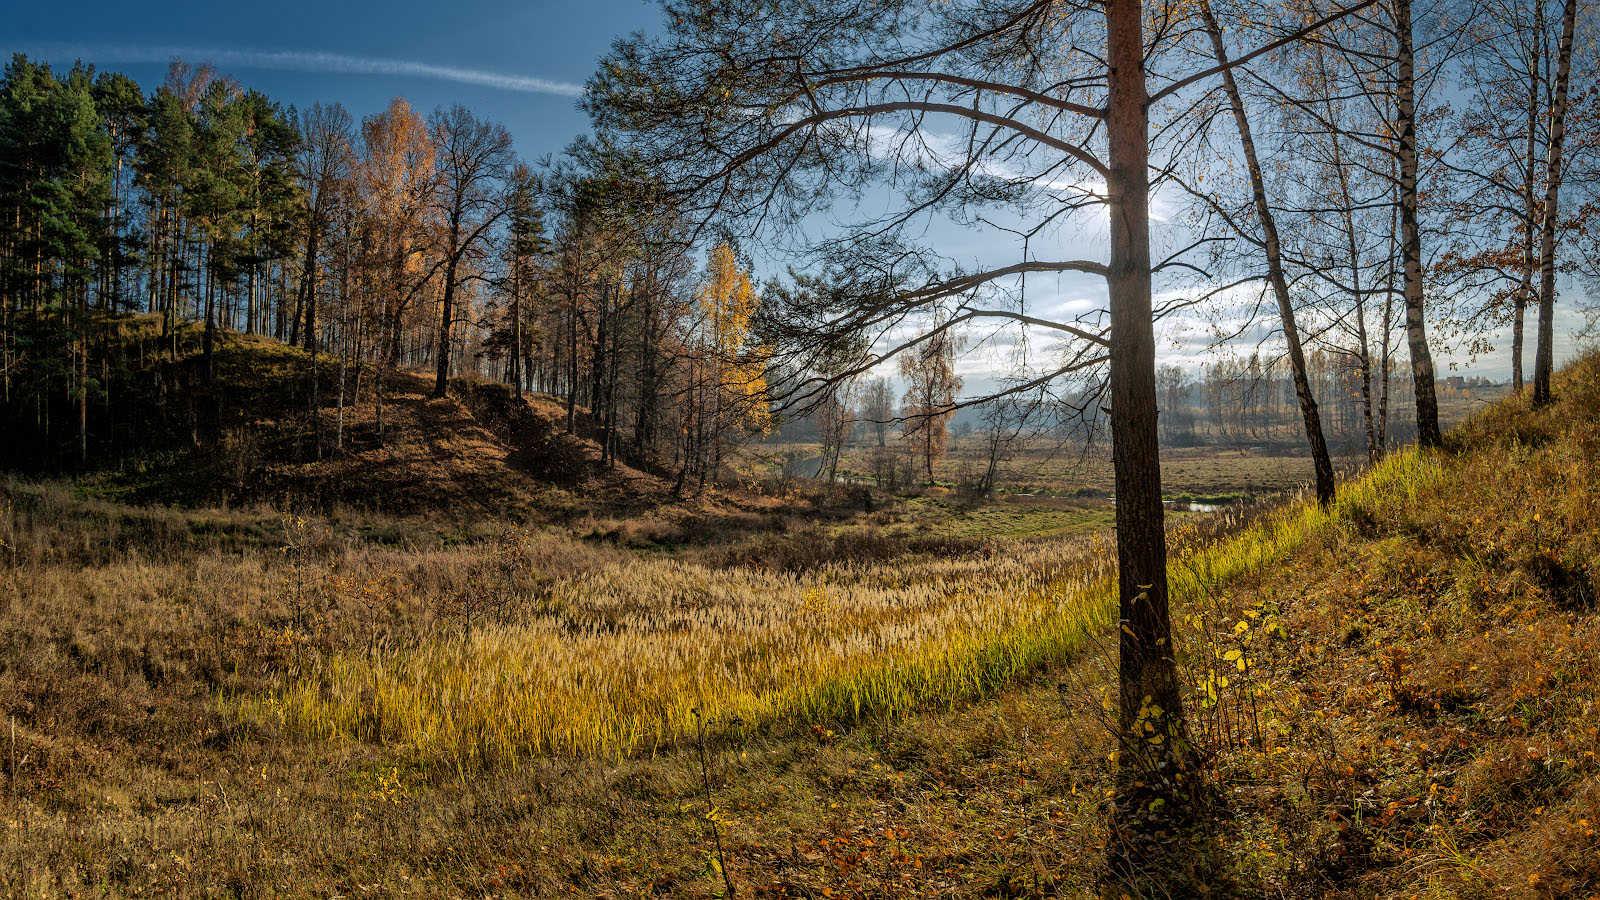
(539, 644)
(600, 652)
(251, 701)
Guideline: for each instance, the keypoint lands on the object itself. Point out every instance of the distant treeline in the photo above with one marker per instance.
(1236, 401)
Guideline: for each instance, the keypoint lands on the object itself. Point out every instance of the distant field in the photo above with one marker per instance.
(1011, 516)
(1205, 472)
(1269, 461)
(1199, 472)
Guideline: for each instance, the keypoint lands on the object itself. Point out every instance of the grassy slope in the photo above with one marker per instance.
(1419, 663)
(245, 434)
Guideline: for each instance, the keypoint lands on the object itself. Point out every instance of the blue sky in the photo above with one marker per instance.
(518, 62)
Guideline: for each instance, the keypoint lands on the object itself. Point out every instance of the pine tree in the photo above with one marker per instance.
(526, 246)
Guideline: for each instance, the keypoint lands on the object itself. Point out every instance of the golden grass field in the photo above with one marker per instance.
(617, 655)
(1396, 694)
(614, 659)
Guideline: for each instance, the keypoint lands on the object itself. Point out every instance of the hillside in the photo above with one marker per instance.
(1396, 697)
(244, 432)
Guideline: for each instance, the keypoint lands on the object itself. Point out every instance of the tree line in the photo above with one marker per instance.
(205, 210)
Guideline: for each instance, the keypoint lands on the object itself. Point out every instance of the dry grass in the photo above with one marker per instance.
(1419, 664)
(1422, 721)
(618, 657)
(133, 636)
(614, 659)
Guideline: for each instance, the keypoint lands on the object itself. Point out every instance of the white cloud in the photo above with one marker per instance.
(306, 61)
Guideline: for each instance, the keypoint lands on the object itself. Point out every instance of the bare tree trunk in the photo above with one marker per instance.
(110, 303)
(83, 383)
(211, 324)
(516, 334)
(1148, 678)
(316, 404)
(442, 378)
(338, 432)
(649, 391)
(1321, 463)
(1428, 434)
(1530, 205)
(169, 323)
(377, 397)
(1543, 357)
(1363, 338)
(307, 273)
(1518, 327)
(1386, 358)
(572, 358)
(308, 291)
(1359, 296)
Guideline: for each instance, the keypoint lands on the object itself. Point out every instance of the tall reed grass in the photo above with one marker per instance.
(614, 661)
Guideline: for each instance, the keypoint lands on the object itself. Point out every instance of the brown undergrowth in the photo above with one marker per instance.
(1399, 700)
(1413, 703)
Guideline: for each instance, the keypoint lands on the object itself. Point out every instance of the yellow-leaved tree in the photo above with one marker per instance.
(930, 400)
(396, 181)
(729, 384)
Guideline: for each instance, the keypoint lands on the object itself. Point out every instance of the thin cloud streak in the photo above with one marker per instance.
(308, 61)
